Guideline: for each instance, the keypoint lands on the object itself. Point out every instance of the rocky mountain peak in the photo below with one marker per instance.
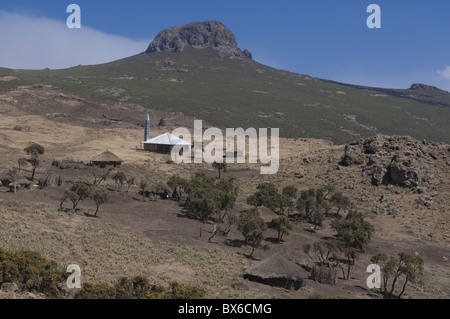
(423, 87)
(212, 34)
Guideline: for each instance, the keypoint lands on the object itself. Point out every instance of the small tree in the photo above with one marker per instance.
(252, 227)
(288, 195)
(407, 268)
(120, 178)
(306, 203)
(13, 174)
(143, 186)
(267, 195)
(353, 235)
(22, 162)
(340, 201)
(220, 167)
(34, 150)
(282, 225)
(130, 182)
(202, 200)
(228, 185)
(290, 191)
(100, 196)
(100, 175)
(69, 196)
(79, 192)
(317, 218)
(162, 122)
(178, 184)
(202, 205)
(313, 203)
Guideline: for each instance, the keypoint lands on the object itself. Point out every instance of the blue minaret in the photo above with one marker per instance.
(147, 128)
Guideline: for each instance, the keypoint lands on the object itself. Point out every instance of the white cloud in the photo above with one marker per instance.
(445, 73)
(38, 43)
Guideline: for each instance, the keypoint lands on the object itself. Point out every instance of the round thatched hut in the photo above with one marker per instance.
(107, 159)
(267, 214)
(277, 271)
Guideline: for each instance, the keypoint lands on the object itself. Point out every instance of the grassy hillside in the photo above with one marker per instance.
(244, 93)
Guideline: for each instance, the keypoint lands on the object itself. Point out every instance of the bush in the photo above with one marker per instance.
(31, 272)
(96, 291)
(139, 287)
(180, 291)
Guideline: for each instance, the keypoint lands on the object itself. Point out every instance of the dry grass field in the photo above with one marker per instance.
(155, 238)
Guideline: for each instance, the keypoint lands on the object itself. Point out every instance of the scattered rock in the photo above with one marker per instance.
(384, 207)
(425, 200)
(444, 259)
(301, 173)
(9, 287)
(248, 54)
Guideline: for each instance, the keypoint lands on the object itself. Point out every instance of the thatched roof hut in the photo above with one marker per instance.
(277, 271)
(267, 214)
(107, 158)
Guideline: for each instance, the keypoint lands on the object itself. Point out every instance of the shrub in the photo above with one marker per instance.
(139, 287)
(282, 225)
(31, 272)
(180, 291)
(96, 291)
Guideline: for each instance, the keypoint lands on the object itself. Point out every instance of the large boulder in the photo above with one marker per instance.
(351, 156)
(407, 171)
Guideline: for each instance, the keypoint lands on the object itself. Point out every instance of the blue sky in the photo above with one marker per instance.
(322, 38)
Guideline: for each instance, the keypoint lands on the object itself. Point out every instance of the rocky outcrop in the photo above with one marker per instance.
(352, 156)
(407, 170)
(397, 160)
(424, 88)
(212, 34)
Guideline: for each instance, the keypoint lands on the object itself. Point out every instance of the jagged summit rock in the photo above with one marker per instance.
(423, 87)
(212, 34)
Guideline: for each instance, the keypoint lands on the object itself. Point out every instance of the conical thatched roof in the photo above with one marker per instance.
(267, 214)
(107, 157)
(277, 266)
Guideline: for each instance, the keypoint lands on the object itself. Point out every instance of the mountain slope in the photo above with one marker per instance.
(240, 92)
